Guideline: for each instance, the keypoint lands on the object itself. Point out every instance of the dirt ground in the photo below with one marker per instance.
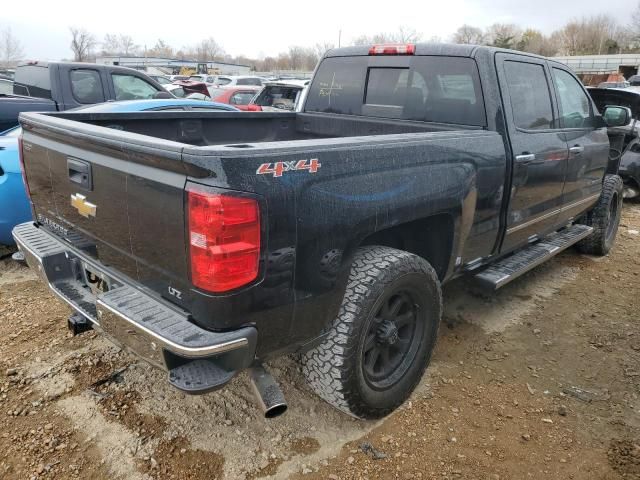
(540, 380)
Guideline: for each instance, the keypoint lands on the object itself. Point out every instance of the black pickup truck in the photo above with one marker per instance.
(208, 242)
(57, 86)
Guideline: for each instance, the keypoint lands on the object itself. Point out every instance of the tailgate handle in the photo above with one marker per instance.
(80, 173)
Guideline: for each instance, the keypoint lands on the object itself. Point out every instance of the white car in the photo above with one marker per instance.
(176, 90)
(238, 80)
(279, 95)
(210, 80)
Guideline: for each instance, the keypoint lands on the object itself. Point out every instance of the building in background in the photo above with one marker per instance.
(594, 69)
(173, 66)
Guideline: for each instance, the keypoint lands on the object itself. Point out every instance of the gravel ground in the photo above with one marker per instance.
(540, 380)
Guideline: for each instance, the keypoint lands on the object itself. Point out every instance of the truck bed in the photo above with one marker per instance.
(241, 130)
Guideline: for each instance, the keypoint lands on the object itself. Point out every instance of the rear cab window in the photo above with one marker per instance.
(424, 88)
(33, 80)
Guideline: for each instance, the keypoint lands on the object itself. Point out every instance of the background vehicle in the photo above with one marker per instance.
(330, 231)
(634, 80)
(161, 79)
(190, 86)
(629, 151)
(176, 90)
(14, 204)
(173, 78)
(232, 81)
(51, 86)
(239, 97)
(13, 197)
(7, 73)
(614, 85)
(204, 78)
(6, 86)
(277, 96)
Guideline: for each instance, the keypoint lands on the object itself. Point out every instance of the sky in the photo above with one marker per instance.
(254, 29)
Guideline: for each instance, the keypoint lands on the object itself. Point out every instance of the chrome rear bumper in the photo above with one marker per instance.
(197, 360)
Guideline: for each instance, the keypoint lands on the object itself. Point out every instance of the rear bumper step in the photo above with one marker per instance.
(196, 360)
(519, 263)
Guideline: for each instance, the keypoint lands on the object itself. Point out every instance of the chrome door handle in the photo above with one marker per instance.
(526, 157)
(576, 149)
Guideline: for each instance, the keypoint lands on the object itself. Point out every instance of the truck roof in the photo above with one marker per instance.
(444, 49)
(94, 66)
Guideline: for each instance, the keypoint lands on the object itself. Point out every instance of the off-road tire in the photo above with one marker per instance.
(604, 218)
(336, 368)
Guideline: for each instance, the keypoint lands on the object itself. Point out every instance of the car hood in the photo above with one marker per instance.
(9, 158)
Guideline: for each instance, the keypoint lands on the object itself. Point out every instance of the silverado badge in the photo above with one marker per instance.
(86, 209)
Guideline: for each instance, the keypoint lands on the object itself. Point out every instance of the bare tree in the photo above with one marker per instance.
(401, 35)
(82, 44)
(11, 51)
(110, 45)
(406, 35)
(161, 49)
(322, 48)
(209, 50)
(468, 35)
(591, 36)
(128, 46)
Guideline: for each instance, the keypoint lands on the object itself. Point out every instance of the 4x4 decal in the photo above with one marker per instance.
(277, 169)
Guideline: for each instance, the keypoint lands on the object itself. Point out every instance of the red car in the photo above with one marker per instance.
(239, 96)
(191, 86)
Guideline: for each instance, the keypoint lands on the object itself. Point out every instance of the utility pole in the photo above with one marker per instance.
(339, 37)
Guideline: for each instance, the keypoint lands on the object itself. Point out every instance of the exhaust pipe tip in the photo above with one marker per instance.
(267, 392)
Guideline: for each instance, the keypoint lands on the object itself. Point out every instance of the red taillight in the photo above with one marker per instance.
(224, 239)
(252, 107)
(393, 49)
(22, 169)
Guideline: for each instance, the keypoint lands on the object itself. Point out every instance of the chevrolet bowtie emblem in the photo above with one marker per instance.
(86, 209)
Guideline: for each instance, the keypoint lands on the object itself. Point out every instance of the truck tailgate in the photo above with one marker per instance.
(111, 200)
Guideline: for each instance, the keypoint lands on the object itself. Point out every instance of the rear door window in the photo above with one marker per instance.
(86, 86)
(32, 80)
(130, 87)
(430, 88)
(529, 95)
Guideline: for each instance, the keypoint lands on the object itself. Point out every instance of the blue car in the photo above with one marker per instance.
(14, 204)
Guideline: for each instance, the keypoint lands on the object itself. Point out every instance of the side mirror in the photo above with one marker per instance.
(617, 116)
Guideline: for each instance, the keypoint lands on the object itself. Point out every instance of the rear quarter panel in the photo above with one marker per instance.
(315, 221)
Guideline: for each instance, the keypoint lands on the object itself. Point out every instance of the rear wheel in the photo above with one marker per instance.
(380, 344)
(604, 218)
